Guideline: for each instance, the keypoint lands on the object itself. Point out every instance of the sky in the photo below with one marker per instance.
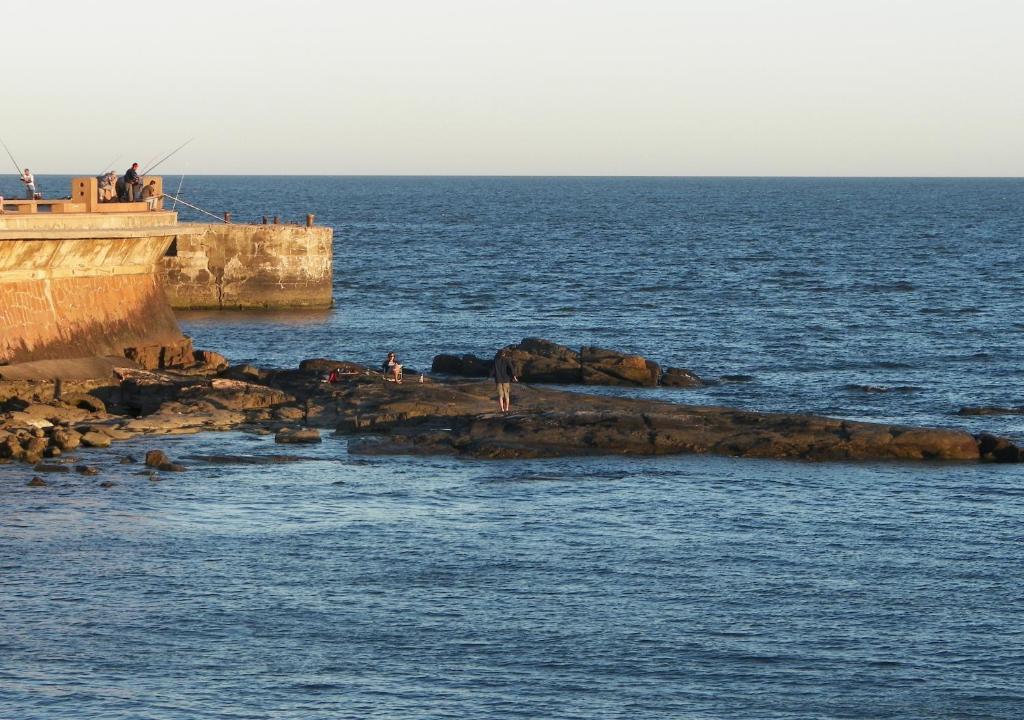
(551, 87)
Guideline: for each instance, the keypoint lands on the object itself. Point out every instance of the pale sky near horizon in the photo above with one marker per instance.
(552, 87)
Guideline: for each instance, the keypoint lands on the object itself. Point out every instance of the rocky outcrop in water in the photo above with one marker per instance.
(452, 417)
(458, 420)
(542, 361)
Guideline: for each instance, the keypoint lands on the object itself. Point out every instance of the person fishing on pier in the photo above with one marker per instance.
(132, 183)
(29, 180)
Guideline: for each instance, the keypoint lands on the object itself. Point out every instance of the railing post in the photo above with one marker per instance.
(309, 220)
(227, 218)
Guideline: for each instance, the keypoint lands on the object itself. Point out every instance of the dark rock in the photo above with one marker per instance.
(467, 365)
(35, 448)
(210, 360)
(250, 459)
(148, 393)
(998, 449)
(96, 439)
(171, 467)
(14, 404)
(106, 484)
(51, 468)
(86, 470)
(11, 448)
(737, 378)
(548, 423)
(237, 395)
(248, 373)
(542, 361)
(322, 366)
(681, 377)
(156, 458)
(52, 451)
(155, 357)
(128, 460)
(301, 435)
(991, 410)
(290, 413)
(66, 439)
(36, 482)
(85, 401)
(610, 367)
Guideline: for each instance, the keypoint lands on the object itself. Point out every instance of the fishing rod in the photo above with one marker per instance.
(110, 165)
(17, 167)
(205, 212)
(168, 155)
(176, 194)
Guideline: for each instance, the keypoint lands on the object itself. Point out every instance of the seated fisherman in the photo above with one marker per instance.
(105, 187)
(149, 194)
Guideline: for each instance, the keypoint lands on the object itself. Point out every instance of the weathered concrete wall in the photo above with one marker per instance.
(250, 266)
(64, 296)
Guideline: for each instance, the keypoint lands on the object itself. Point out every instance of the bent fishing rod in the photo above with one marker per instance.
(147, 171)
(17, 167)
(194, 207)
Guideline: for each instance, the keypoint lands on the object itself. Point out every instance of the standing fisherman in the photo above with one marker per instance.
(504, 374)
(132, 182)
(30, 184)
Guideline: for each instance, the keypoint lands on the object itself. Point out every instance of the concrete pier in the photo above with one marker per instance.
(74, 284)
(229, 266)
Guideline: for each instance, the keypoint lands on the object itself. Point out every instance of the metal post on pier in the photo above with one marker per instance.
(309, 220)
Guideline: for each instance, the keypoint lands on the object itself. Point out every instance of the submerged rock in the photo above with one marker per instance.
(51, 468)
(250, 459)
(297, 435)
(156, 458)
(991, 410)
(681, 377)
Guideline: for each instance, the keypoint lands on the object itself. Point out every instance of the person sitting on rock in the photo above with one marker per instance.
(392, 367)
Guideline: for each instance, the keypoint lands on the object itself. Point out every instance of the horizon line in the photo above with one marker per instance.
(570, 175)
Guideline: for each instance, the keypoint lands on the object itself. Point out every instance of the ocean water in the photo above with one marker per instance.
(682, 587)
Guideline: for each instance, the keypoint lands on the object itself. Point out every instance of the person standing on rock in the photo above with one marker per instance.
(504, 375)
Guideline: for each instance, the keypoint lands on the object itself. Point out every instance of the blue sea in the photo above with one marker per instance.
(675, 587)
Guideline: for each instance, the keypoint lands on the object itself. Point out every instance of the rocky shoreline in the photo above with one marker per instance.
(45, 422)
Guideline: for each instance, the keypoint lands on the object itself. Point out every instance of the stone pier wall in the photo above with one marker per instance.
(63, 296)
(250, 266)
